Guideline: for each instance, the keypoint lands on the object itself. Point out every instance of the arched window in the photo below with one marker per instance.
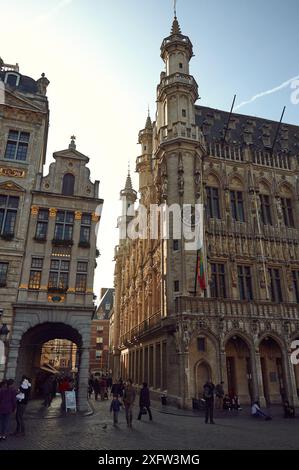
(68, 184)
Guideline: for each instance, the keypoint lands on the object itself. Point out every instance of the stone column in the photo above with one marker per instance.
(291, 387)
(257, 378)
(83, 380)
(223, 369)
(48, 250)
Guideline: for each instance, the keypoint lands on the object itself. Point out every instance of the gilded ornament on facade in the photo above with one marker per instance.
(12, 172)
(52, 212)
(34, 210)
(78, 215)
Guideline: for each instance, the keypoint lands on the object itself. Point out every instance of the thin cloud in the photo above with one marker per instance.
(52, 12)
(267, 92)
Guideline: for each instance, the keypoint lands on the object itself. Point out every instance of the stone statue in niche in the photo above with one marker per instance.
(234, 275)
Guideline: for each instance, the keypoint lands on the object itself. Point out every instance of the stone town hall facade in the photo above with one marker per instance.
(240, 330)
(47, 235)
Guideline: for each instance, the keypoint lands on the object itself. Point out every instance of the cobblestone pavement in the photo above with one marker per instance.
(173, 430)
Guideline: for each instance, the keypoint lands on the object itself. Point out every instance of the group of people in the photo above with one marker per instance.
(226, 402)
(13, 400)
(127, 393)
(99, 386)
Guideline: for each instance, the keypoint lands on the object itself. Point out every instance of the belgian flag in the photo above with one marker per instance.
(201, 277)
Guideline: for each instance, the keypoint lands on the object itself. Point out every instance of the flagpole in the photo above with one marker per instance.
(196, 273)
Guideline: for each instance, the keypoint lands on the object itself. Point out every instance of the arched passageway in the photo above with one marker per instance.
(272, 368)
(238, 369)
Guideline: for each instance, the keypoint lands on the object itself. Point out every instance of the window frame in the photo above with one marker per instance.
(60, 274)
(276, 288)
(213, 202)
(245, 286)
(237, 202)
(265, 209)
(218, 284)
(6, 210)
(19, 142)
(35, 270)
(3, 278)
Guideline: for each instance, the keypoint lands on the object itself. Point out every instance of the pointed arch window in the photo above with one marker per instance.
(68, 184)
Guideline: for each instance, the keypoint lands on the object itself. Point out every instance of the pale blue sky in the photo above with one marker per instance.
(103, 61)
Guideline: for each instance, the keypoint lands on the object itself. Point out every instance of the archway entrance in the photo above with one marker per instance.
(296, 372)
(202, 374)
(272, 371)
(49, 349)
(238, 368)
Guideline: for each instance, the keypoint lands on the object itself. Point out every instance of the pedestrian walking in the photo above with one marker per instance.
(219, 396)
(64, 386)
(129, 398)
(8, 404)
(208, 394)
(115, 407)
(22, 400)
(96, 388)
(144, 402)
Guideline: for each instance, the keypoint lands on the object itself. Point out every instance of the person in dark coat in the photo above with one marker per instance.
(208, 394)
(144, 402)
(115, 407)
(22, 400)
(8, 403)
(96, 388)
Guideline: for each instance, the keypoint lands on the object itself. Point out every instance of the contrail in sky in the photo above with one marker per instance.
(267, 92)
(46, 16)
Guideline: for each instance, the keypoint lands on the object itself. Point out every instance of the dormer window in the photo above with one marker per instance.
(12, 79)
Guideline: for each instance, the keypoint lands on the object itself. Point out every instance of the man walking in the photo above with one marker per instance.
(144, 402)
(129, 398)
(208, 394)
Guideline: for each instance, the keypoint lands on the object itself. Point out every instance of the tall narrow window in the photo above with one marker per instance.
(17, 145)
(68, 184)
(81, 279)
(245, 283)
(237, 205)
(266, 215)
(85, 230)
(42, 225)
(8, 215)
(35, 273)
(276, 291)
(59, 275)
(3, 274)
(296, 284)
(287, 210)
(64, 226)
(213, 206)
(218, 286)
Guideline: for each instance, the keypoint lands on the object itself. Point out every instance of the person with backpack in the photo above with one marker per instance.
(208, 394)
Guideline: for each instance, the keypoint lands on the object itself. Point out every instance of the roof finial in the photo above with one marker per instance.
(73, 143)
(175, 25)
(148, 122)
(129, 168)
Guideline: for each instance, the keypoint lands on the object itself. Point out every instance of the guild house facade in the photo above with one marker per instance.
(48, 235)
(238, 330)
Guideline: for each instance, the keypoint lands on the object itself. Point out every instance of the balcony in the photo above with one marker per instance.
(142, 329)
(57, 290)
(62, 242)
(181, 130)
(235, 308)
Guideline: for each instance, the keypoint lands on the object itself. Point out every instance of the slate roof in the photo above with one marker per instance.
(26, 84)
(259, 132)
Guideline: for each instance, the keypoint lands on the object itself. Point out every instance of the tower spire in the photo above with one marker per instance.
(175, 25)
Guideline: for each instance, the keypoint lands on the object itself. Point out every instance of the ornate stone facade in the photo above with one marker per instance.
(51, 253)
(241, 328)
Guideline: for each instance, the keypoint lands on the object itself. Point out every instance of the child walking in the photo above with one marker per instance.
(115, 407)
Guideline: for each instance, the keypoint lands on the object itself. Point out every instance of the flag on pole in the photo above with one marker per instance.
(201, 270)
